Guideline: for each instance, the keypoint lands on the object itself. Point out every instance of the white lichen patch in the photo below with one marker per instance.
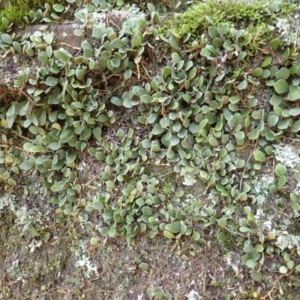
(261, 188)
(83, 261)
(189, 180)
(88, 266)
(297, 189)
(288, 241)
(289, 30)
(267, 225)
(28, 218)
(232, 261)
(286, 155)
(34, 244)
(193, 295)
(7, 201)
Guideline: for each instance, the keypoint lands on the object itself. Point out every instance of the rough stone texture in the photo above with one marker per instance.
(64, 38)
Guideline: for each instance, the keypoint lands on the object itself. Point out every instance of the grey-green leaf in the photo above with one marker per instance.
(280, 169)
(281, 86)
(169, 235)
(259, 155)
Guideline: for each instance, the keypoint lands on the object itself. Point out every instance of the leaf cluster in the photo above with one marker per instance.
(193, 116)
(20, 12)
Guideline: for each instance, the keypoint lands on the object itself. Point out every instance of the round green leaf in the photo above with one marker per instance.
(169, 235)
(296, 126)
(17, 47)
(213, 32)
(51, 81)
(173, 227)
(37, 149)
(157, 130)
(254, 134)
(280, 169)
(144, 266)
(281, 86)
(116, 101)
(290, 264)
(196, 236)
(282, 73)
(239, 135)
(136, 40)
(147, 211)
(251, 263)
(48, 38)
(222, 222)
(6, 38)
(176, 126)
(256, 276)
(54, 145)
(30, 52)
(100, 156)
(11, 181)
(58, 7)
(174, 140)
(176, 57)
(222, 237)
(276, 100)
(273, 120)
(115, 62)
(294, 93)
(259, 248)
(110, 185)
(294, 111)
(99, 31)
(240, 163)
(281, 181)
(243, 85)
(266, 61)
(258, 72)
(112, 232)
(213, 141)
(62, 54)
(93, 241)
(259, 155)
(283, 270)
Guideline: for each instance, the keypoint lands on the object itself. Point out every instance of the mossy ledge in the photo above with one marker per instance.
(131, 160)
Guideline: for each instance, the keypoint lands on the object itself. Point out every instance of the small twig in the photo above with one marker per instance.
(15, 147)
(90, 187)
(238, 94)
(295, 278)
(241, 182)
(286, 138)
(274, 285)
(279, 212)
(135, 73)
(235, 233)
(109, 20)
(146, 71)
(21, 136)
(206, 188)
(70, 46)
(166, 174)
(87, 184)
(19, 148)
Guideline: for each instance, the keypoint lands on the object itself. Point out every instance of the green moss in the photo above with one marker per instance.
(157, 293)
(238, 14)
(18, 9)
(167, 188)
(14, 14)
(200, 16)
